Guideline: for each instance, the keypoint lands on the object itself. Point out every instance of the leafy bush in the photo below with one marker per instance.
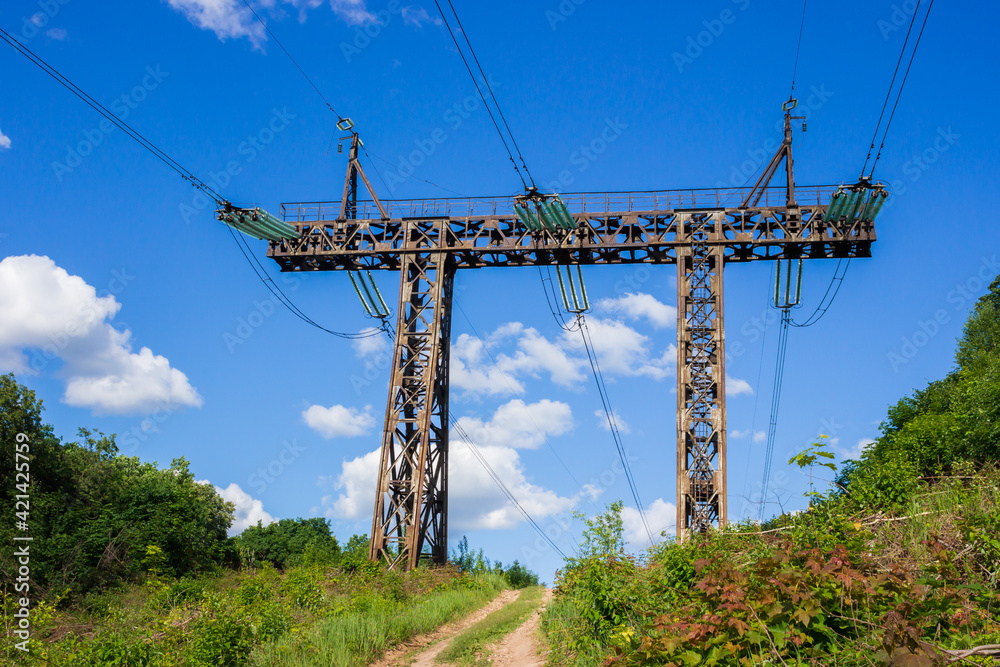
(289, 542)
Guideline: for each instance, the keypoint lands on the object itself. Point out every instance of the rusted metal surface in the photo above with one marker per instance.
(411, 506)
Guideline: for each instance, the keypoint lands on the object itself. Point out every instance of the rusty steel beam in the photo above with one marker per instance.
(602, 237)
(411, 506)
(701, 379)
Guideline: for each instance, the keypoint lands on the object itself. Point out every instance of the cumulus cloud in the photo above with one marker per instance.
(418, 17)
(4, 141)
(472, 370)
(520, 425)
(372, 345)
(475, 502)
(338, 421)
(623, 350)
(249, 511)
(53, 315)
(854, 452)
(641, 306)
(602, 421)
(736, 386)
(660, 515)
(759, 436)
(231, 18)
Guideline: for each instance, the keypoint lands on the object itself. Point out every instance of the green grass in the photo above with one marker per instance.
(358, 638)
(463, 649)
(561, 624)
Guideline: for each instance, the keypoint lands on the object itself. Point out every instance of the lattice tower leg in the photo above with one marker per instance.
(701, 381)
(410, 521)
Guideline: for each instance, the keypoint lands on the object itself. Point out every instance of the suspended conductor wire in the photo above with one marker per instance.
(439, 187)
(502, 486)
(798, 48)
(285, 301)
(553, 302)
(186, 174)
(772, 429)
(486, 80)
(824, 305)
(906, 74)
(514, 394)
(301, 71)
(479, 90)
(595, 368)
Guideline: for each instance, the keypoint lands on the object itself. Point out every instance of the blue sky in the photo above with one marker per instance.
(125, 318)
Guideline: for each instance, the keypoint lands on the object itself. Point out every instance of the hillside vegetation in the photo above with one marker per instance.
(897, 563)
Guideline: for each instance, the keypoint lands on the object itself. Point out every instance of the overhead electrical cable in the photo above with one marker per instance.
(502, 486)
(595, 368)
(824, 304)
(772, 429)
(301, 71)
(798, 48)
(184, 173)
(486, 80)
(479, 90)
(118, 122)
(514, 394)
(906, 74)
(756, 398)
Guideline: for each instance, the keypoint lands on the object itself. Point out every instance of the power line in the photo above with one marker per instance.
(502, 486)
(475, 82)
(486, 80)
(772, 429)
(795, 69)
(301, 71)
(512, 393)
(612, 422)
(186, 174)
(824, 305)
(913, 53)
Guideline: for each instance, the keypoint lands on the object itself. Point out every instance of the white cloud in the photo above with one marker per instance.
(4, 141)
(54, 315)
(58, 34)
(623, 350)
(660, 515)
(231, 18)
(249, 510)
(472, 370)
(372, 345)
(519, 425)
(759, 436)
(338, 421)
(418, 17)
(602, 421)
(474, 500)
(854, 452)
(226, 18)
(641, 306)
(736, 386)
(737, 434)
(536, 354)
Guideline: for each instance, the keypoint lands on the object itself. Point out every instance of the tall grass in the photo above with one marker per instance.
(463, 649)
(358, 638)
(561, 625)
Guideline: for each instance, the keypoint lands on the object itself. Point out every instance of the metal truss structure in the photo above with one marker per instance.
(427, 240)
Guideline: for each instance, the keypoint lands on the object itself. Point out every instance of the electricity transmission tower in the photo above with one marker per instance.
(428, 240)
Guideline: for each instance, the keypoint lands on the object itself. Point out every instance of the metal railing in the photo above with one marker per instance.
(585, 202)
